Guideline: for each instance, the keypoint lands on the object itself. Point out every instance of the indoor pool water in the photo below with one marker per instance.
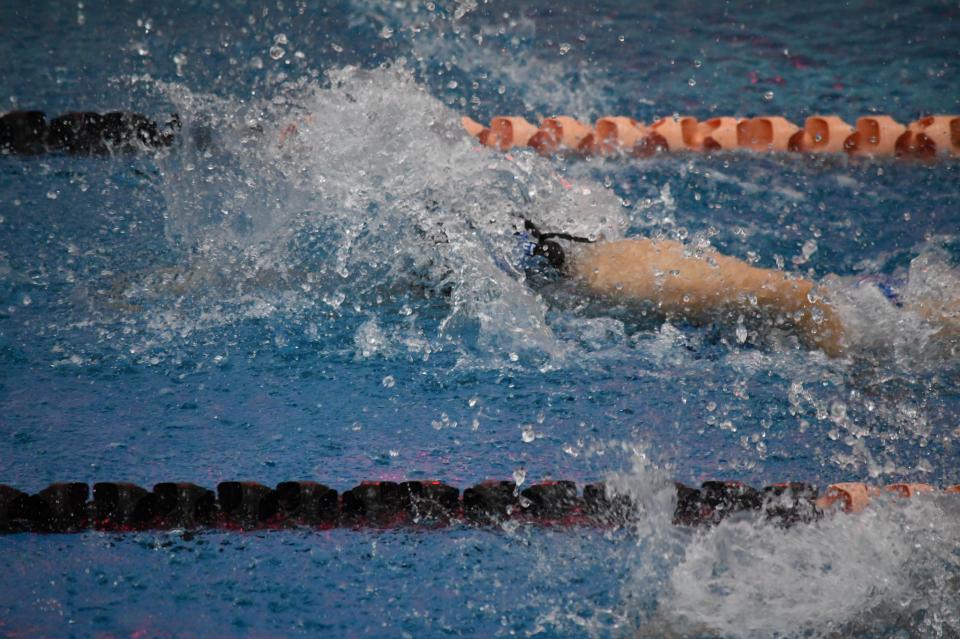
(342, 307)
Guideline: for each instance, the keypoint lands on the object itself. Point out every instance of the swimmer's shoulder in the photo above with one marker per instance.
(631, 248)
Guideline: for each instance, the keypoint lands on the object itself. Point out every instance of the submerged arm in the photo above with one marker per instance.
(700, 288)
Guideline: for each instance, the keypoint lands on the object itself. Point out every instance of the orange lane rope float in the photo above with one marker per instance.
(873, 136)
(245, 505)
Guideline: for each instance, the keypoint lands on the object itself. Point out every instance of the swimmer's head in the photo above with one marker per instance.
(552, 252)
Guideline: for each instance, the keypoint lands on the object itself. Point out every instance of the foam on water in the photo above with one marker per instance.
(376, 191)
(894, 566)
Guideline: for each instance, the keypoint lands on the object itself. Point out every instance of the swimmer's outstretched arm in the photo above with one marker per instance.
(702, 288)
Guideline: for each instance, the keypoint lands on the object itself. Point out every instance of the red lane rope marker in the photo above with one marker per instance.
(876, 135)
(119, 506)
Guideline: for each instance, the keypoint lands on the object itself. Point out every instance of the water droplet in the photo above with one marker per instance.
(276, 52)
(768, 96)
(180, 59)
(692, 82)
(564, 48)
(280, 38)
(528, 435)
(697, 63)
(52, 195)
(520, 476)
(452, 84)
(388, 381)
(256, 62)
(336, 47)
(621, 38)
(741, 334)
(386, 32)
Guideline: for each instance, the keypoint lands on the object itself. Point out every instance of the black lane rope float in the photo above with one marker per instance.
(83, 133)
(244, 505)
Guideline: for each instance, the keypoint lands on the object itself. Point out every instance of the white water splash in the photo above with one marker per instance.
(373, 188)
(894, 567)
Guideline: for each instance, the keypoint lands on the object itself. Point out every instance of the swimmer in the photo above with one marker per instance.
(681, 285)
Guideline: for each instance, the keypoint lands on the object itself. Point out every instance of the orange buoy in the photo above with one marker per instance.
(929, 137)
(821, 134)
(717, 134)
(874, 135)
(613, 134)
(765, 133)
(472, 127)
(667, 134)
(512, 131)
(854, 497)
(559, 133)
(484, 135)
(908, 489)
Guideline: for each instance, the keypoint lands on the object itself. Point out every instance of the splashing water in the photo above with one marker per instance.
(892, 566)
(359, 190)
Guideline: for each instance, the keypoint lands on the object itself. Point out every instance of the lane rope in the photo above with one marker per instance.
(874, 136)
(83, 133)
(247, 505)
(936, 136)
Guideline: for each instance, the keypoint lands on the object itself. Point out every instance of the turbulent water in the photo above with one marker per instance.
(321, 278)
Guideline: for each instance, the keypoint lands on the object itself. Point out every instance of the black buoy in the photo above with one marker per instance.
(551, 499)
(12, 509)
(60, 507)
(429, 500)
(606, 507)
(491, 501)
(183, 505)
(689, 509)
(307, 503)
(118, 505)
(722, 499)
(376, 502)
(245, 504)
(23, 132)
(791, 503)
(79, 132)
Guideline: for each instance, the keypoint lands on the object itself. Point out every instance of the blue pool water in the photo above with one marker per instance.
(341, 307)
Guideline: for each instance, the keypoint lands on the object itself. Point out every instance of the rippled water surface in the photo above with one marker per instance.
(343, 306)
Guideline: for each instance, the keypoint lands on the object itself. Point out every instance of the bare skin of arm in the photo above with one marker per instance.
(702, 288)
